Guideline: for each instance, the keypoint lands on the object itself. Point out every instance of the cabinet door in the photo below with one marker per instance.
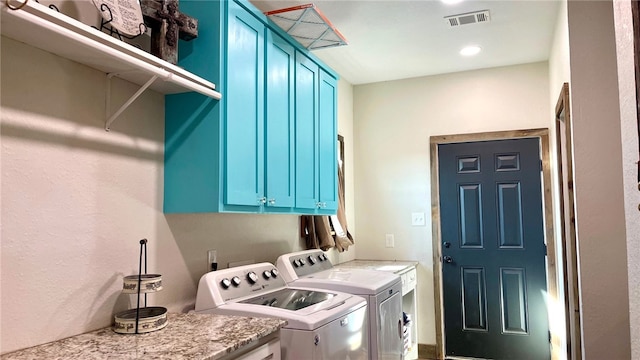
(244, 133)
(279, 125)
(327, 143)
(306, 80)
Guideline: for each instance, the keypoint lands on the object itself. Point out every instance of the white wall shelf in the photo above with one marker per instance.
(46, 29)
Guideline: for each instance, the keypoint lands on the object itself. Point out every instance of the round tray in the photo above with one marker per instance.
(148, 283)
(151, 319)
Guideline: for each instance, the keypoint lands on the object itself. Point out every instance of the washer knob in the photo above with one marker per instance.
(266, 274)
(252, 277)
(225, 283)
(296, 263)
(302, 262)
(236, 281)
(312, 260)
(320, 257)
(274, 273)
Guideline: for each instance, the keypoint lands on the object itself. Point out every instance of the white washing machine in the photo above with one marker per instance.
(383, 291)
(321, 324)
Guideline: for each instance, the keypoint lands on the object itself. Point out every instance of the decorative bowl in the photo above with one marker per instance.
(148, 283)
(150, 319)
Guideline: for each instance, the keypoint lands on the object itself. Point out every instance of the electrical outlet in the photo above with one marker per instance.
(417, 219)
(212, 260)
(390, 241)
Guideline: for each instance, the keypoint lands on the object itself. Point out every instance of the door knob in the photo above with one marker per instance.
(447, 259)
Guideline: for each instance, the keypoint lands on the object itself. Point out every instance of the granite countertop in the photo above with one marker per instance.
(186, 336)
(394, 266)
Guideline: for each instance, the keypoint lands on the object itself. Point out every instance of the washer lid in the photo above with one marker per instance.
(309, 317)
(290, 299)
(353, 281)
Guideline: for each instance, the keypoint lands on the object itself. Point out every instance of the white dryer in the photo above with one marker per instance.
(320, 324)
(383, 291)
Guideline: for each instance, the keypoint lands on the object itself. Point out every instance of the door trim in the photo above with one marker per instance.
(552, 286)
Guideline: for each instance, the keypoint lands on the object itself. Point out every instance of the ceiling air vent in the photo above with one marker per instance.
(468, 18)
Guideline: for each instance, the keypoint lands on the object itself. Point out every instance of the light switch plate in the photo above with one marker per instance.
(390, 241)
(417, 219)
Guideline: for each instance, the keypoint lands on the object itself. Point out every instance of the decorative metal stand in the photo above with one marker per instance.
(107, 28)
(146, 319)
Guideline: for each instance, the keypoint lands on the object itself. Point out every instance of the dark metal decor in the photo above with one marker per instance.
(105, 25)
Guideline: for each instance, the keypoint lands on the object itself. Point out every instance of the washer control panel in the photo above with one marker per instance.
(308, 262)
(237, 282)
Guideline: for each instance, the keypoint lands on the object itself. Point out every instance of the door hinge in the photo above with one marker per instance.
(540, 164)
(549, 336)
(545, 250)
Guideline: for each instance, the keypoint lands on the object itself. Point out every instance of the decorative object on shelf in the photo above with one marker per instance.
(168, 24)
(146, 319)
(113, 25)
(51, 6)
(123, 15)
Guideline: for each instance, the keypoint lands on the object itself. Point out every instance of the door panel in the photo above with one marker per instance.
(493, 269)
(244, 137)
(280, 125)
(390, 328)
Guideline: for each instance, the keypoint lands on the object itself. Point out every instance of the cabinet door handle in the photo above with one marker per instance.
(272, 201)
(262, 200)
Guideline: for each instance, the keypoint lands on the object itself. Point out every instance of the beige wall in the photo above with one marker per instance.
(76, 200)
(393, 122)
(559, 73)
(629, 131)
(598, 169)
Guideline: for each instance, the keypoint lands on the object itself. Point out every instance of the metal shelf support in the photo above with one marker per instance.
(111, 118)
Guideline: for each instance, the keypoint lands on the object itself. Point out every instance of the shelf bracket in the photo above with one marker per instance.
(111, 118)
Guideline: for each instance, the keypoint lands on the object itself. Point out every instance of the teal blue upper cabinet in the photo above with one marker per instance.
(316, 129)
(244, 140)
(269, 145)
(280, 186)
(327, 142)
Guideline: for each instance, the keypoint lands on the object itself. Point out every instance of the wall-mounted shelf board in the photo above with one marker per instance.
(46, 29)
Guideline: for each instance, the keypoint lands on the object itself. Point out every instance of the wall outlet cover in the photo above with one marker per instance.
(417, 219)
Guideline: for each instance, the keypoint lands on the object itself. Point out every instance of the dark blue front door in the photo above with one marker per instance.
(493, 252)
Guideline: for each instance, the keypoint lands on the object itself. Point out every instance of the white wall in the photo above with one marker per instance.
(76, 200)
(599, 192)
(559, 73)
(393, 122)
(629, 131)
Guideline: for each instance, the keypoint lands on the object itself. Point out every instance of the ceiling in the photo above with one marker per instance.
(390, 40)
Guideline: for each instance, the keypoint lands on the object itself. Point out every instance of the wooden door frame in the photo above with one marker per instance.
(568, 225)
(543, 135)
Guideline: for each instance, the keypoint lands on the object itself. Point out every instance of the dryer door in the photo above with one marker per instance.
(390, 328)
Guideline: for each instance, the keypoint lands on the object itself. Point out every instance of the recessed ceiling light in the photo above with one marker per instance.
(470, 50)
(451, 2)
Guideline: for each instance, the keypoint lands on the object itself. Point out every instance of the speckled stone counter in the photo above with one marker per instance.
(397, 267)
(186, 336)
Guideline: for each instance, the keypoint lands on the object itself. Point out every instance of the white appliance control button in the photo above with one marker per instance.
(225, 283)
(274, 273)
(252, 277)
(320, 258)
(302, 262)
(296, 263)
(266, 274)
(312, 260)
(236, 281)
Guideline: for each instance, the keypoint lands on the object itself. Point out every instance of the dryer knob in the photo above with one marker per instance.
(252, 277)
(225, 283)
(320, 258)
(274, 273)
(312, 260)
(266, 274)
(236, 281)
(296, 263)
(302, 262)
